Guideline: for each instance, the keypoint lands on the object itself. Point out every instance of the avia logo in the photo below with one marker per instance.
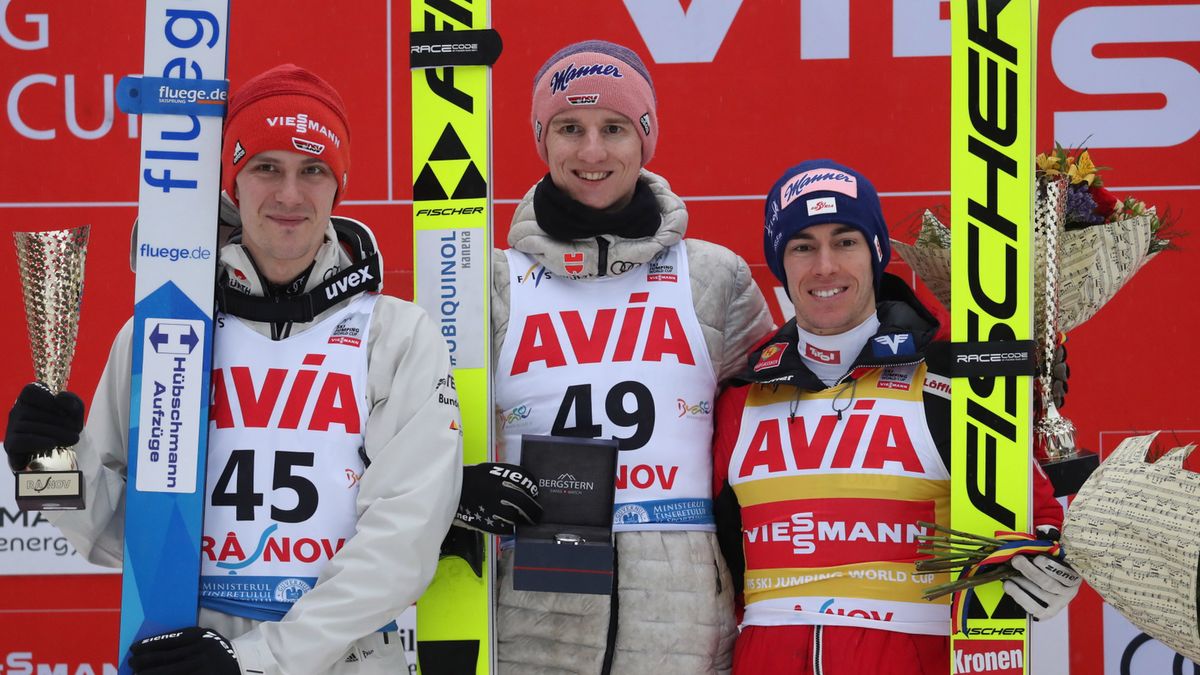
(449, 152)
(807, 443)
(645, 476)
(583, 99)
(232, 555)
(544, 335)
(303, 124)
(535, 273)
(573, 262)
(685, 408)
(896, 345)
(349, 282)
(828, 608)
(818, 354)
(301, 398)
(238, 152)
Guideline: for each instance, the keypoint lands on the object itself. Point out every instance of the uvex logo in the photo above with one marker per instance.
(352, 280)
(778, 446)
(550, 338)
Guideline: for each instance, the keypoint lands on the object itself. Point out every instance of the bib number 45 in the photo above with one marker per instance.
(239, 471)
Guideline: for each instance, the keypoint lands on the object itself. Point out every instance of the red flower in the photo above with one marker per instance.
(1106, 203)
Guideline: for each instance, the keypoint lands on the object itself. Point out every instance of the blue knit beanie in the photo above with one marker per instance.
(822, 191)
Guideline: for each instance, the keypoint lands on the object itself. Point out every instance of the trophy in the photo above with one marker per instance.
(1081, 259)
(1052, 432)
(51, 269)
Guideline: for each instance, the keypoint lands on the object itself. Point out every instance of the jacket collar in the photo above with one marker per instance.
(584, 255)
(906, 329)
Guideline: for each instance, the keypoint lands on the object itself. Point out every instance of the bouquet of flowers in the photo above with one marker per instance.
(1105, 241)
(1132, 532)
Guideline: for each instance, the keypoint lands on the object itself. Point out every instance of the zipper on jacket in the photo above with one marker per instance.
(602, 257)
(818, 668)
(610, 643)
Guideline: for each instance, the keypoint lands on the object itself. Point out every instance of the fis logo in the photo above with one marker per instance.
(535, 273)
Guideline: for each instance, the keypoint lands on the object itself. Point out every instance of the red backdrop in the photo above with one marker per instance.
(745, 89)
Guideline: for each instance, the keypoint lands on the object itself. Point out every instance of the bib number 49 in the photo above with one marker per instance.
(240, 471)
(577, 405)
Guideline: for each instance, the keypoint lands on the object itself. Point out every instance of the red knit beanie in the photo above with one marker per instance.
(286, 108)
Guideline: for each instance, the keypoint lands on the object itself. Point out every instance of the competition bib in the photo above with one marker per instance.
(616, 357)
(284, 459)
(830, 502)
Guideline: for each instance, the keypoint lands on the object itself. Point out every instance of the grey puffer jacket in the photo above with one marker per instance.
(675, 596)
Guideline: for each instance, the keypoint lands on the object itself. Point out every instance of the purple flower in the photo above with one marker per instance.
(1081, 208)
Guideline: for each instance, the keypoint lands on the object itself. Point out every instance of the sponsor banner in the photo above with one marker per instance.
(993, 657)
(29, 544)
(828, 533)
(450, 294)
(665, 513)
(172, 387)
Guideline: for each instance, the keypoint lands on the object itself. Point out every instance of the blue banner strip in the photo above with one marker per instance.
(172, 96)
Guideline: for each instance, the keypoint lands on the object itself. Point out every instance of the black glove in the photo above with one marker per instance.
(192, 650)
(41, 421)
(495, 497)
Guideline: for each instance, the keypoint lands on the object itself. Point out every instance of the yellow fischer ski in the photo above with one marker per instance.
(993, 94)
(451, 51)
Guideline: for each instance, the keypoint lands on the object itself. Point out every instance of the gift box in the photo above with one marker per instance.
(571, 550)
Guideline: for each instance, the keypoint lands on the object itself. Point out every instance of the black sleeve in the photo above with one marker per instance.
(937, 407)
(728, 514)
